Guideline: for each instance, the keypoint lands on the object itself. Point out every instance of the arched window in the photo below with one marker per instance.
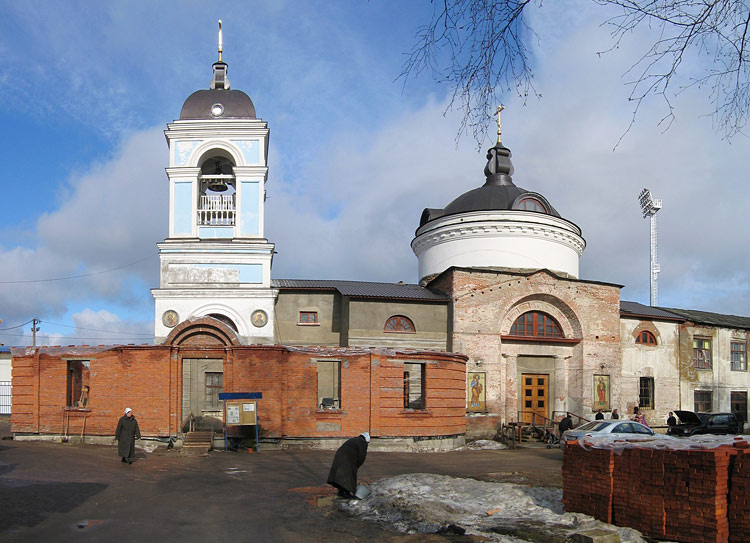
(645, 338)
(226, 320)
(530, 204)
(536, 324)
(399, 323)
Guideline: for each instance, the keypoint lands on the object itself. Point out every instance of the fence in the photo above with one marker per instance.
(4, 397)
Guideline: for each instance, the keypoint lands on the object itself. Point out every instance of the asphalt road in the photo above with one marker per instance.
(69, 492)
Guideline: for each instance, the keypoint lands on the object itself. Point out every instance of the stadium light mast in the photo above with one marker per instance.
(650, 206)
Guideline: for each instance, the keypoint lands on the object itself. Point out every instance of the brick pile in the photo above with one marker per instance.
(697, 495)
(739, 498)
(591, 494)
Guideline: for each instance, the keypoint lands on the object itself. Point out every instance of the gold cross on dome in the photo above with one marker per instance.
(499, 129)
(221, 41)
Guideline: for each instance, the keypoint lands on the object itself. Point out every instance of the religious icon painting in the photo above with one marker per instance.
(601, 393)
(476, 388)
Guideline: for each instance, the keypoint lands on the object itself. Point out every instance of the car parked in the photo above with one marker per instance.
(624, 429)
(692, 424)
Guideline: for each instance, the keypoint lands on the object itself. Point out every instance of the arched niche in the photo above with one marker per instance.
(202, 331)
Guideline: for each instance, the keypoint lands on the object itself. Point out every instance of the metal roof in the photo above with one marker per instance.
(714, 319)
(634, 309)
(364, 289)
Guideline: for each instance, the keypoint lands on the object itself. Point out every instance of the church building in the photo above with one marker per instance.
(498, 329)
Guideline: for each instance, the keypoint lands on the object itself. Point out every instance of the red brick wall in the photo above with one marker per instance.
(692, 496)
(149, 380)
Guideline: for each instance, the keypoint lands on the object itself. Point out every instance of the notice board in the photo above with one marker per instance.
(241, 412)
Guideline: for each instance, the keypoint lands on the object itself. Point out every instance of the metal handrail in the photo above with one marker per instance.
(189, 418)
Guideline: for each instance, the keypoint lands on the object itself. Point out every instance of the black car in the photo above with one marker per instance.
(692, 424)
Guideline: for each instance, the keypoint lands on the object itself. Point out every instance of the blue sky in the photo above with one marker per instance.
(86, 90)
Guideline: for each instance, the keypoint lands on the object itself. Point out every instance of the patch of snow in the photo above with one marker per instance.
(423, 503)
(661, 442)
(148, 446)
(482, 444)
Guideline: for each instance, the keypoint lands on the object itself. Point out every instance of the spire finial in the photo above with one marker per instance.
(221, 42)
(499, 129)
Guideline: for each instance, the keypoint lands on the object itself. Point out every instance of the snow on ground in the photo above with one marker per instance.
(424, 503)
(483, 445)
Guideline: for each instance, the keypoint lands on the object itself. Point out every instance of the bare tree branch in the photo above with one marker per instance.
(481, 48)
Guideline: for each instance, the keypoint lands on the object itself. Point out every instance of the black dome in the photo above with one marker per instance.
(235, 103)
(497, 194)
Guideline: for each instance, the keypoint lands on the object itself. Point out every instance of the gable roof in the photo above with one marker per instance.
(636, 310)
(364, 289)
(714, 319)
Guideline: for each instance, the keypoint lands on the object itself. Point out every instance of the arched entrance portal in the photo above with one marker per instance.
(201, 345)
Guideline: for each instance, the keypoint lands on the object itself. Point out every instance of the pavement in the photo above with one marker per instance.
(73, 492)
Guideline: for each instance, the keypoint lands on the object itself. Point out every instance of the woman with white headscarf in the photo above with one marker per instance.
(126, 434)
(349, 457)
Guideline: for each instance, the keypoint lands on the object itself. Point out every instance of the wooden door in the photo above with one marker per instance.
(534, 390)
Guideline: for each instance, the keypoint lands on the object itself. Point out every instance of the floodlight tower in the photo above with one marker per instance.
(650, 206)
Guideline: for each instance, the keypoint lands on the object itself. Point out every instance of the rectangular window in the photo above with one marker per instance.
(329, 384)
(646, 395)
(738, 401)
(739, 356)
(308, 317)
(214, 385)
(414, 382)
(702, 353)
(77, 386)
(702, 401)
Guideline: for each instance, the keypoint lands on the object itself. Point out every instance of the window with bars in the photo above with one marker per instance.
(645, 338)
(738, 404)
(702, 401)
(738, 351)
(414, 386)
(702, 353)
(214, 385)
(536, 324)
(329, 384)
(399, 323)
(646, 393)
(308, 317)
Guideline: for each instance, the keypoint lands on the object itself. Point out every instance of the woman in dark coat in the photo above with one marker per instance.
(349, 457)
(126, 434)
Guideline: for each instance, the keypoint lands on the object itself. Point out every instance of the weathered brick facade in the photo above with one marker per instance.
(486, 303)
(149, 380)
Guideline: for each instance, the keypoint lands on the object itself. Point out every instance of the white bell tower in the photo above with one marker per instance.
(216, 261)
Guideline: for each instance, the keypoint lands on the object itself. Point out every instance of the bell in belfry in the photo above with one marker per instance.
(216, 182)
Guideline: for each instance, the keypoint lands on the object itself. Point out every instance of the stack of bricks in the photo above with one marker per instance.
(691, 496)
(739, 496)
(638, 489)
(592, 493)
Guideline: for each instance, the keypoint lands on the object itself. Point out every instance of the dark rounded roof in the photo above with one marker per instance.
(497, 194)
(236, 104)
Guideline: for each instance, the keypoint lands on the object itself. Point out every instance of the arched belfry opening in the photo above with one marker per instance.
(217, 187)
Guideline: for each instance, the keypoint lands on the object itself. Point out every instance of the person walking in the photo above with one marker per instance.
(599, 415)
(346, 462)
(565, 424)
(615, 414)
(126, 434)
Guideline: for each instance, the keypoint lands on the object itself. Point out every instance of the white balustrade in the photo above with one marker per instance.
(216, 210)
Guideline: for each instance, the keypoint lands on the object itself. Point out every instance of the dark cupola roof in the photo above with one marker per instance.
(218, 102)
(497, 194)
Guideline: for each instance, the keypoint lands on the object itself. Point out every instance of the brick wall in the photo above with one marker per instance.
(149, 380)
(693, 496)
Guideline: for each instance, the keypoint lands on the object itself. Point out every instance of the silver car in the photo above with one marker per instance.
(610, 428)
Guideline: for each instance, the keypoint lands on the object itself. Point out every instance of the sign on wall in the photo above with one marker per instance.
(476, 391)
(601, 393)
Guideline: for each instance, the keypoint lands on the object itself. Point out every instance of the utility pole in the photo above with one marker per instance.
(34, 330)
(649, 207)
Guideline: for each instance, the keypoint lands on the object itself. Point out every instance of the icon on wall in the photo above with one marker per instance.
(259, 318)
(476, 391)
(601, 392)
(170, 318)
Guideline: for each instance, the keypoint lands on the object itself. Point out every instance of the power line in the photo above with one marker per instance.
(19, 326)
(77, 276)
